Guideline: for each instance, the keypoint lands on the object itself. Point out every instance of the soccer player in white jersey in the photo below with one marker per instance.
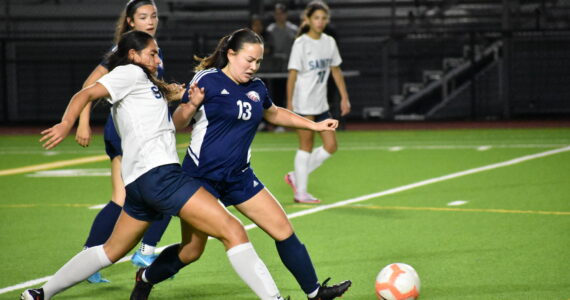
(154, 180)
(219, 156)
(139, 15)
(313, 58)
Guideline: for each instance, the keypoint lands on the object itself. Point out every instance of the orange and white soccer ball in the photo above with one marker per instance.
(398, 281)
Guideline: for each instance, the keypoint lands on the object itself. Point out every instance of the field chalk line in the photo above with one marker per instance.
(353, 200)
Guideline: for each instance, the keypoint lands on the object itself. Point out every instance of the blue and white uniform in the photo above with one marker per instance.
(225, 125)
(110, 136)
(150, 168)
(313, 60)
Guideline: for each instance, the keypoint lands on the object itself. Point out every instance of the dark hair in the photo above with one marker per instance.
(129, 12)
(136, 40)
(311, 8)
(234, 41)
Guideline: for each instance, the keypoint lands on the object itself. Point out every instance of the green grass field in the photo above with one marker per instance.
(509, 240)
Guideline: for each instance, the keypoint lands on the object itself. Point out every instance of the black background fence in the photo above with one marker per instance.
(49, 47)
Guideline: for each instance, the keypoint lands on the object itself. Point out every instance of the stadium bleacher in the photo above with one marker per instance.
(391, 43)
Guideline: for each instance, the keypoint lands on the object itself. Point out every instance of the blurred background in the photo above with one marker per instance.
(405, 60)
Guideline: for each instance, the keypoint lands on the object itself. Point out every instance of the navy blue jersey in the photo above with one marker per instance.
(225, 125)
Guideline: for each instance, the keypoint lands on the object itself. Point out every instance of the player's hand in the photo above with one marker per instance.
(326, 125)
(195, 95)
(83, 135)
(344, 107)
(55, 135)
(176, 90)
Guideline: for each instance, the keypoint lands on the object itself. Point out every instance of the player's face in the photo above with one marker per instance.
(318, 21)
(145, 19)
(147, 56)
(244, 63)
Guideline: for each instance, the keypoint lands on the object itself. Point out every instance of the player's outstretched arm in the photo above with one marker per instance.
(282, 117)
(83, 132)
(51, 137)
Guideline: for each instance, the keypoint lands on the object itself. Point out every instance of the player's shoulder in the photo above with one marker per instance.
(131, 69)
(301, 40)
(206, 75)
(256, 81)
(327, 38)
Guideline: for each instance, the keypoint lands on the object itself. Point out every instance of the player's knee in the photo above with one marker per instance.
(331, 149)
(233, 234)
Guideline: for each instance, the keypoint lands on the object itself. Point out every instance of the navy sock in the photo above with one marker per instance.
(295, 257)
(155, 231)
(103, 225)
(166, 265)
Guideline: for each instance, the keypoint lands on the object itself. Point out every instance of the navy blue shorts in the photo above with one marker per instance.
(321, 116)
(236, 190)
(112, 139)
(161, 191)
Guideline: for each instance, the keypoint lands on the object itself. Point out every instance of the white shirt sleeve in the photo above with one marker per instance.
(296, 58)
(336, 59)
(120, 82)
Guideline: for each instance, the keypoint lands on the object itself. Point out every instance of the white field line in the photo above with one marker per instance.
(182, 148)
(354, 200)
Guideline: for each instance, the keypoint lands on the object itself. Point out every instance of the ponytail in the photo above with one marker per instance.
(218, 59)
(234, 41)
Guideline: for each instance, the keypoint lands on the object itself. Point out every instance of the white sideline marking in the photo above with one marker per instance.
(181, 148)
(100, 206)
(456, 203)
(353, 200)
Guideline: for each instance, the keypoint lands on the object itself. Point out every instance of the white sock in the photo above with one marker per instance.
(77, 269)
(318, 156)
(313, 294)
(253, 271)
(146, 249)
(302, 159)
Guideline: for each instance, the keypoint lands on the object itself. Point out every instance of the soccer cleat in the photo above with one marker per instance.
(142, 261)
(141, 289)
(290, 180)
(331, 292)
(306, 198)
(97, 278)
(33, 294)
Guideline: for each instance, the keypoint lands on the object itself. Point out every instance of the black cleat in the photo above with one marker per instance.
(34, 294)
(141, 289)
(331, 292)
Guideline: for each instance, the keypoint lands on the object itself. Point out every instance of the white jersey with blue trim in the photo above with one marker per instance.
(141, 117)
(313, 60)
(225, 125)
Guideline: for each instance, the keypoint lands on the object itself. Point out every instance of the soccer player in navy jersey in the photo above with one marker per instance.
(154, 180)
(219, 156)
(139, 15)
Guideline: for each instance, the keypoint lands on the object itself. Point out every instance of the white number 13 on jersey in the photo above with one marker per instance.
(244, 110)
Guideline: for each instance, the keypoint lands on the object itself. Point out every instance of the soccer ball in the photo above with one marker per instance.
(398, 281)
